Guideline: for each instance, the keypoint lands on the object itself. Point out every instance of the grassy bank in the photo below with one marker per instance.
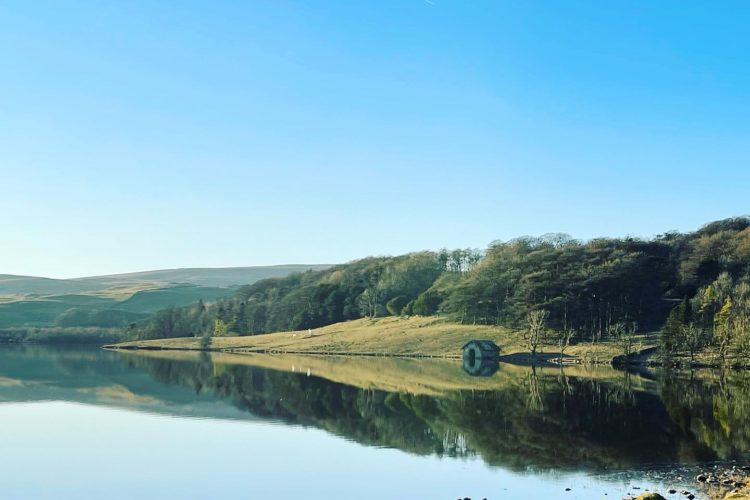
(390, 336)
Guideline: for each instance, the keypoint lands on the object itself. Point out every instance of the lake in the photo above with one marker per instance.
(89, 423)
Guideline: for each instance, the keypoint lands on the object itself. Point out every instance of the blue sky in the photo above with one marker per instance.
(143, 135)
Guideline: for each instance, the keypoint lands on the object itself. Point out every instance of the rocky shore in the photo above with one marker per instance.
(715, 483)
(711, 483)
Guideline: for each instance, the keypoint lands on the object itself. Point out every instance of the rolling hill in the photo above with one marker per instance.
(203, 276)
(116, 300)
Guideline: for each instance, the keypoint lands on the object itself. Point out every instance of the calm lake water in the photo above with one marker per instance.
(88, 423)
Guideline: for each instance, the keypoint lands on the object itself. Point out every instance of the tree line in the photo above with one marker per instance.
(693, 285)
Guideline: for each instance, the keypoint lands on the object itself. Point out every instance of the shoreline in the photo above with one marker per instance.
(414, 337)
(116, 347)
(430, 337)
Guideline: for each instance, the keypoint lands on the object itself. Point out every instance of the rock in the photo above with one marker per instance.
(672, 491)
(701, 478)
(567, 489)
(650, 496)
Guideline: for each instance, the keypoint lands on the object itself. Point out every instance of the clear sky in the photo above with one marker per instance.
(144, 135)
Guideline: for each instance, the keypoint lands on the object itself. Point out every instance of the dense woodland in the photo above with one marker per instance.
(695, 285)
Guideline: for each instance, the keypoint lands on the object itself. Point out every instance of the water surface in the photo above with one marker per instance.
(89, 423)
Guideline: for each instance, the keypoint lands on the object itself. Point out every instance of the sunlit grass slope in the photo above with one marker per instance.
(415, 336)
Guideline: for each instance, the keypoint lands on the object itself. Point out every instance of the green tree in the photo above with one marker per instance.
(396, 305)
(220, 328)
(678, 318)
(426, 304)
(723, 331)
(692, 339)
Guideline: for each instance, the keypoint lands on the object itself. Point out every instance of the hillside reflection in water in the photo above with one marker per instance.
(519, 417)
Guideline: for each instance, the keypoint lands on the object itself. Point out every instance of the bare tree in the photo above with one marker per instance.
(563, 340)
(536, 326)
(534, 400)
(624, 335)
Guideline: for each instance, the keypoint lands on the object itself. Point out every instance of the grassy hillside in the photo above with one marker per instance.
(148, 301)
(213, 277)
(38, 312)
(34, 303)
(27, 285)
(208, 277)
(99, 308)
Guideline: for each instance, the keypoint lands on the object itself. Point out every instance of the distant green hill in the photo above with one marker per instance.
(213, 277)
(26, 285)
(148, 301)
(114, 301)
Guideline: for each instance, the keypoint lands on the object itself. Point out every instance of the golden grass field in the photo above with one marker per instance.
(389, 336)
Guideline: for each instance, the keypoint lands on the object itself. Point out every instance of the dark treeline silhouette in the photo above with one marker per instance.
(590, 290)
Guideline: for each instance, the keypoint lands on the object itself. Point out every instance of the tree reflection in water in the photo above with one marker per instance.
(544, 417)
(540, 418)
